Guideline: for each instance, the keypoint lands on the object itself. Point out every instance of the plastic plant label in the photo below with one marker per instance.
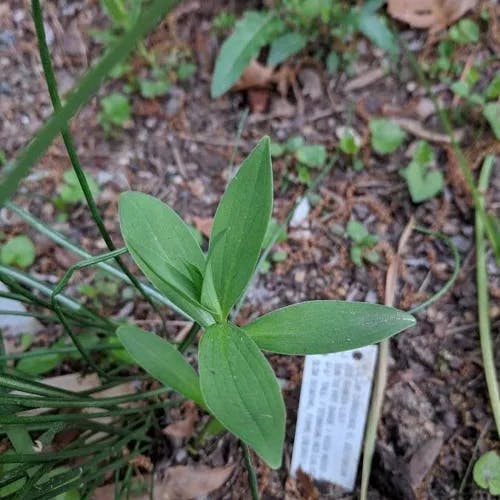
(332, 414)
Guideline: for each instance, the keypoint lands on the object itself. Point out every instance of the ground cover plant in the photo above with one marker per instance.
(383, 189)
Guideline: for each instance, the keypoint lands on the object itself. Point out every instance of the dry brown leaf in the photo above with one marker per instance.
(258, 100)
(432, 14)
(203, 224)
(184, 482)
(184, 428)
(256, 75)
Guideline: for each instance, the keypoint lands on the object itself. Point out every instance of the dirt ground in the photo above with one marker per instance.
(436, 415)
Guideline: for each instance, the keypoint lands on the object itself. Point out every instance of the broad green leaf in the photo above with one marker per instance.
(423, 183)
(161, 360)
(18, 251)
(284, 47)
(240, 389)
(387, 136)
(239, 226)
(38, 365)
(250, 34)
(323, 326)
(486, 472)
(164, 248)
(375, 29)
(13, 173)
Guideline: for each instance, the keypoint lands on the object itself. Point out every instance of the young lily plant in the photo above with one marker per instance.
(235, 383)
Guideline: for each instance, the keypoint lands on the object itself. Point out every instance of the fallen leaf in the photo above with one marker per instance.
(203, 224)
(183, 428)
(311, 83)
(184, 482)
(423, 459)
(256, 75)
(431, 14)
(258, 99)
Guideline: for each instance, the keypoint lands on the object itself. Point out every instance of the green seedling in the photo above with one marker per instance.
(3, 158)
(386, 136)
(223, 22)
(19, 251)
(489, 102)
(288, 27)
(423, 183)
(115, 111)
(235, 383)
(312, 156)
(486, 472)
(70, 191)
(464, 32)
(362, 243)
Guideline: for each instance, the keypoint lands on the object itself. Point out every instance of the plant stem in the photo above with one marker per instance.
(73, 156)
(252, 478)
(483, 298)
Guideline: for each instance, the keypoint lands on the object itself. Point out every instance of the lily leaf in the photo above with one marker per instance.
(324, 326)
(164, 248)
(161, 360)
(240, 389)
(240, 225)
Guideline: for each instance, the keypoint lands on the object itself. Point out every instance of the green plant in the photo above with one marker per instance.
(223, 22)
(288, 26)
(486, 472)
(236, 384)
(70, 191)
(386, 136)
(362, 242)
(464, 32)
(115, 111)
(423, 183)
(18, 251)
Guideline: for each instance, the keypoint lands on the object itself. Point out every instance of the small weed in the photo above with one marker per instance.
(115, 112)
(70, 192)
(386, 136)
(423, 183)
(362, 243)
(300, 156)
(223, 22)
(464, 32)
(19, 251)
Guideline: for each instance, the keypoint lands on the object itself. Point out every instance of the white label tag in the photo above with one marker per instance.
(332, 413)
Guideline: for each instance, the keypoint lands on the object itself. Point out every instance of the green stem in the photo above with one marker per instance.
(73, 156)
(252, 477)
(483, 298)
(374, 416)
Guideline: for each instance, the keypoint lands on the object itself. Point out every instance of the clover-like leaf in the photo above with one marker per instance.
(387, 136)
(240, 389)
(164, 248)
(161, 360)
(486, 472)
(324, 326)
(239, 226)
